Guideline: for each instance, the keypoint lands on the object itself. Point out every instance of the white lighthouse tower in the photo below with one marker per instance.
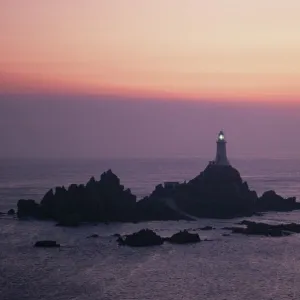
(221, 156)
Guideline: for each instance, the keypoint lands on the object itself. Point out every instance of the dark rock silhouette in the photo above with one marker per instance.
(95, 235)
(225, 234)
(218, 192)
(207, 228)
(270, 201)
(47, 244)
(11, 212)
(256, 228)
(147, 237)
(105, 200)
(28, 208)
(72, 220)
(142, 238)
(153, 208)
(184, 237)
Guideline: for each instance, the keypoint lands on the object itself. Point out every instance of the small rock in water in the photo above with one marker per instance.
(47, 244)
(142, 238)
(264, 229)
(11, 212)
(93, 236)
(207, 228)
(184, 237)
(225, 234)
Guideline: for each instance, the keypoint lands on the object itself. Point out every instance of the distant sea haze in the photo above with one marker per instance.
(72, 126)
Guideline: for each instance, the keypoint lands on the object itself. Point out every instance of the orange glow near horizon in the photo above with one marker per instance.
(194, 49)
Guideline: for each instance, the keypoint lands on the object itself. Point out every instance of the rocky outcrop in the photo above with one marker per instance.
(217, 192)
(47, 244)
(98, 201)
(28, 208)
(143, 238)
(11, 212)
(270, 201)
(184, 237)
(257, 228)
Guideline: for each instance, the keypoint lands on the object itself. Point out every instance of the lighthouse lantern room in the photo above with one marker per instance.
(221, 156)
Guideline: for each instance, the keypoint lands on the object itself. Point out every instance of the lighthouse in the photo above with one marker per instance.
(221, 156)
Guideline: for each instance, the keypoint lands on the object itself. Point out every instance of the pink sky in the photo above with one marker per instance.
(225, 49)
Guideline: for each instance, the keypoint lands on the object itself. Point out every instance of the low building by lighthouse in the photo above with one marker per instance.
(221, 155)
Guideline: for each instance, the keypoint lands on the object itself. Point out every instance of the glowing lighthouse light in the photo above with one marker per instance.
(221, 136)
(221, 156)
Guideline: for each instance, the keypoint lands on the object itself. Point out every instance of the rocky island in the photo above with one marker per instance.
(217, 192)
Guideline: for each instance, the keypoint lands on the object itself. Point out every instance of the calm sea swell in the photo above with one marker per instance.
(235, 267)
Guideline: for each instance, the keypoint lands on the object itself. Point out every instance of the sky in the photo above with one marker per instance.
(194, 49)
(150, 78)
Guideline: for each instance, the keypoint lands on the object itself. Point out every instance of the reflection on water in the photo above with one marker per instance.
(234, 267)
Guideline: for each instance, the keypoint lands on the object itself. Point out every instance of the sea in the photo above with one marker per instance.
(230, 267)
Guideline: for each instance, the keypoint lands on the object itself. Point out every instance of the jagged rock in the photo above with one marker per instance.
(11, 212)
(47, 244)
(184, 237)
(109, 178)
(28, 208)
(49, 204)
(105, 200)
(271, 201)
(142, 238)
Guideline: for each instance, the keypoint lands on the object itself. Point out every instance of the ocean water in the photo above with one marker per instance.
(233, 267)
